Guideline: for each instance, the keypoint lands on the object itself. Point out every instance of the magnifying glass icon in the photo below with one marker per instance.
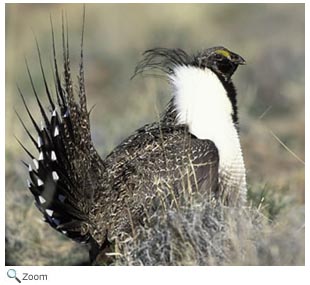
(12, 274)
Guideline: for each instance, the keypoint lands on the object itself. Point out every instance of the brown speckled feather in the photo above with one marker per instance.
(156, 158)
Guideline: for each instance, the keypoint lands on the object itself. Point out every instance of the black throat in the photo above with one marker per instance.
(232, 95)
(170, 114)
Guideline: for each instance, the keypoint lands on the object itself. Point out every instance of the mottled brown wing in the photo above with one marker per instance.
(157, 163)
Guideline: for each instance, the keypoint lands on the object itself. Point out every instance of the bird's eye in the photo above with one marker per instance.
(218, 56)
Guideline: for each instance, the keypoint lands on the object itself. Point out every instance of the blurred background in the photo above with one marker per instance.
(271, 37)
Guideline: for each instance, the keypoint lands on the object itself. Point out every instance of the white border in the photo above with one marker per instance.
(155, 275)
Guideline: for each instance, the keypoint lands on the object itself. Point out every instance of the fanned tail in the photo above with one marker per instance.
(65, 173)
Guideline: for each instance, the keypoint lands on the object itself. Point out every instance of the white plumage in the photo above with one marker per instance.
(202, 103)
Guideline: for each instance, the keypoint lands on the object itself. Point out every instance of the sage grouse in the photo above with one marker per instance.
(195, 144)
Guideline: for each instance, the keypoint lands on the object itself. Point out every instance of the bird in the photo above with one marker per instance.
(194, 145)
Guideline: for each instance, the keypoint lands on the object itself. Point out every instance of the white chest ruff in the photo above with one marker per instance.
(202, 103)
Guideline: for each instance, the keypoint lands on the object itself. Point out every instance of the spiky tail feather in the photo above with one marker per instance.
(63, 177)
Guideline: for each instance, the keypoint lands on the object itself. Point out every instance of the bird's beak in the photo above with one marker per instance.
(237, 59)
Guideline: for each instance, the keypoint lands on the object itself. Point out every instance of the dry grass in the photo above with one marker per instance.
(271, 98)
(200, 232)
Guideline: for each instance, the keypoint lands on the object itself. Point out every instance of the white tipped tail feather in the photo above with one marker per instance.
(202, 103)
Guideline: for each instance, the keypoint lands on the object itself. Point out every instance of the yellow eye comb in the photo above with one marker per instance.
(223, 52)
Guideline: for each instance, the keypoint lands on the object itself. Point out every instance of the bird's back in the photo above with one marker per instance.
(158, 160)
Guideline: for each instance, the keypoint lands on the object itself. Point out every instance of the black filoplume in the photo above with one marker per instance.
(223, 64)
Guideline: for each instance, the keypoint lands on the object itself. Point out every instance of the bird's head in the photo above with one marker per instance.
(220, 60)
